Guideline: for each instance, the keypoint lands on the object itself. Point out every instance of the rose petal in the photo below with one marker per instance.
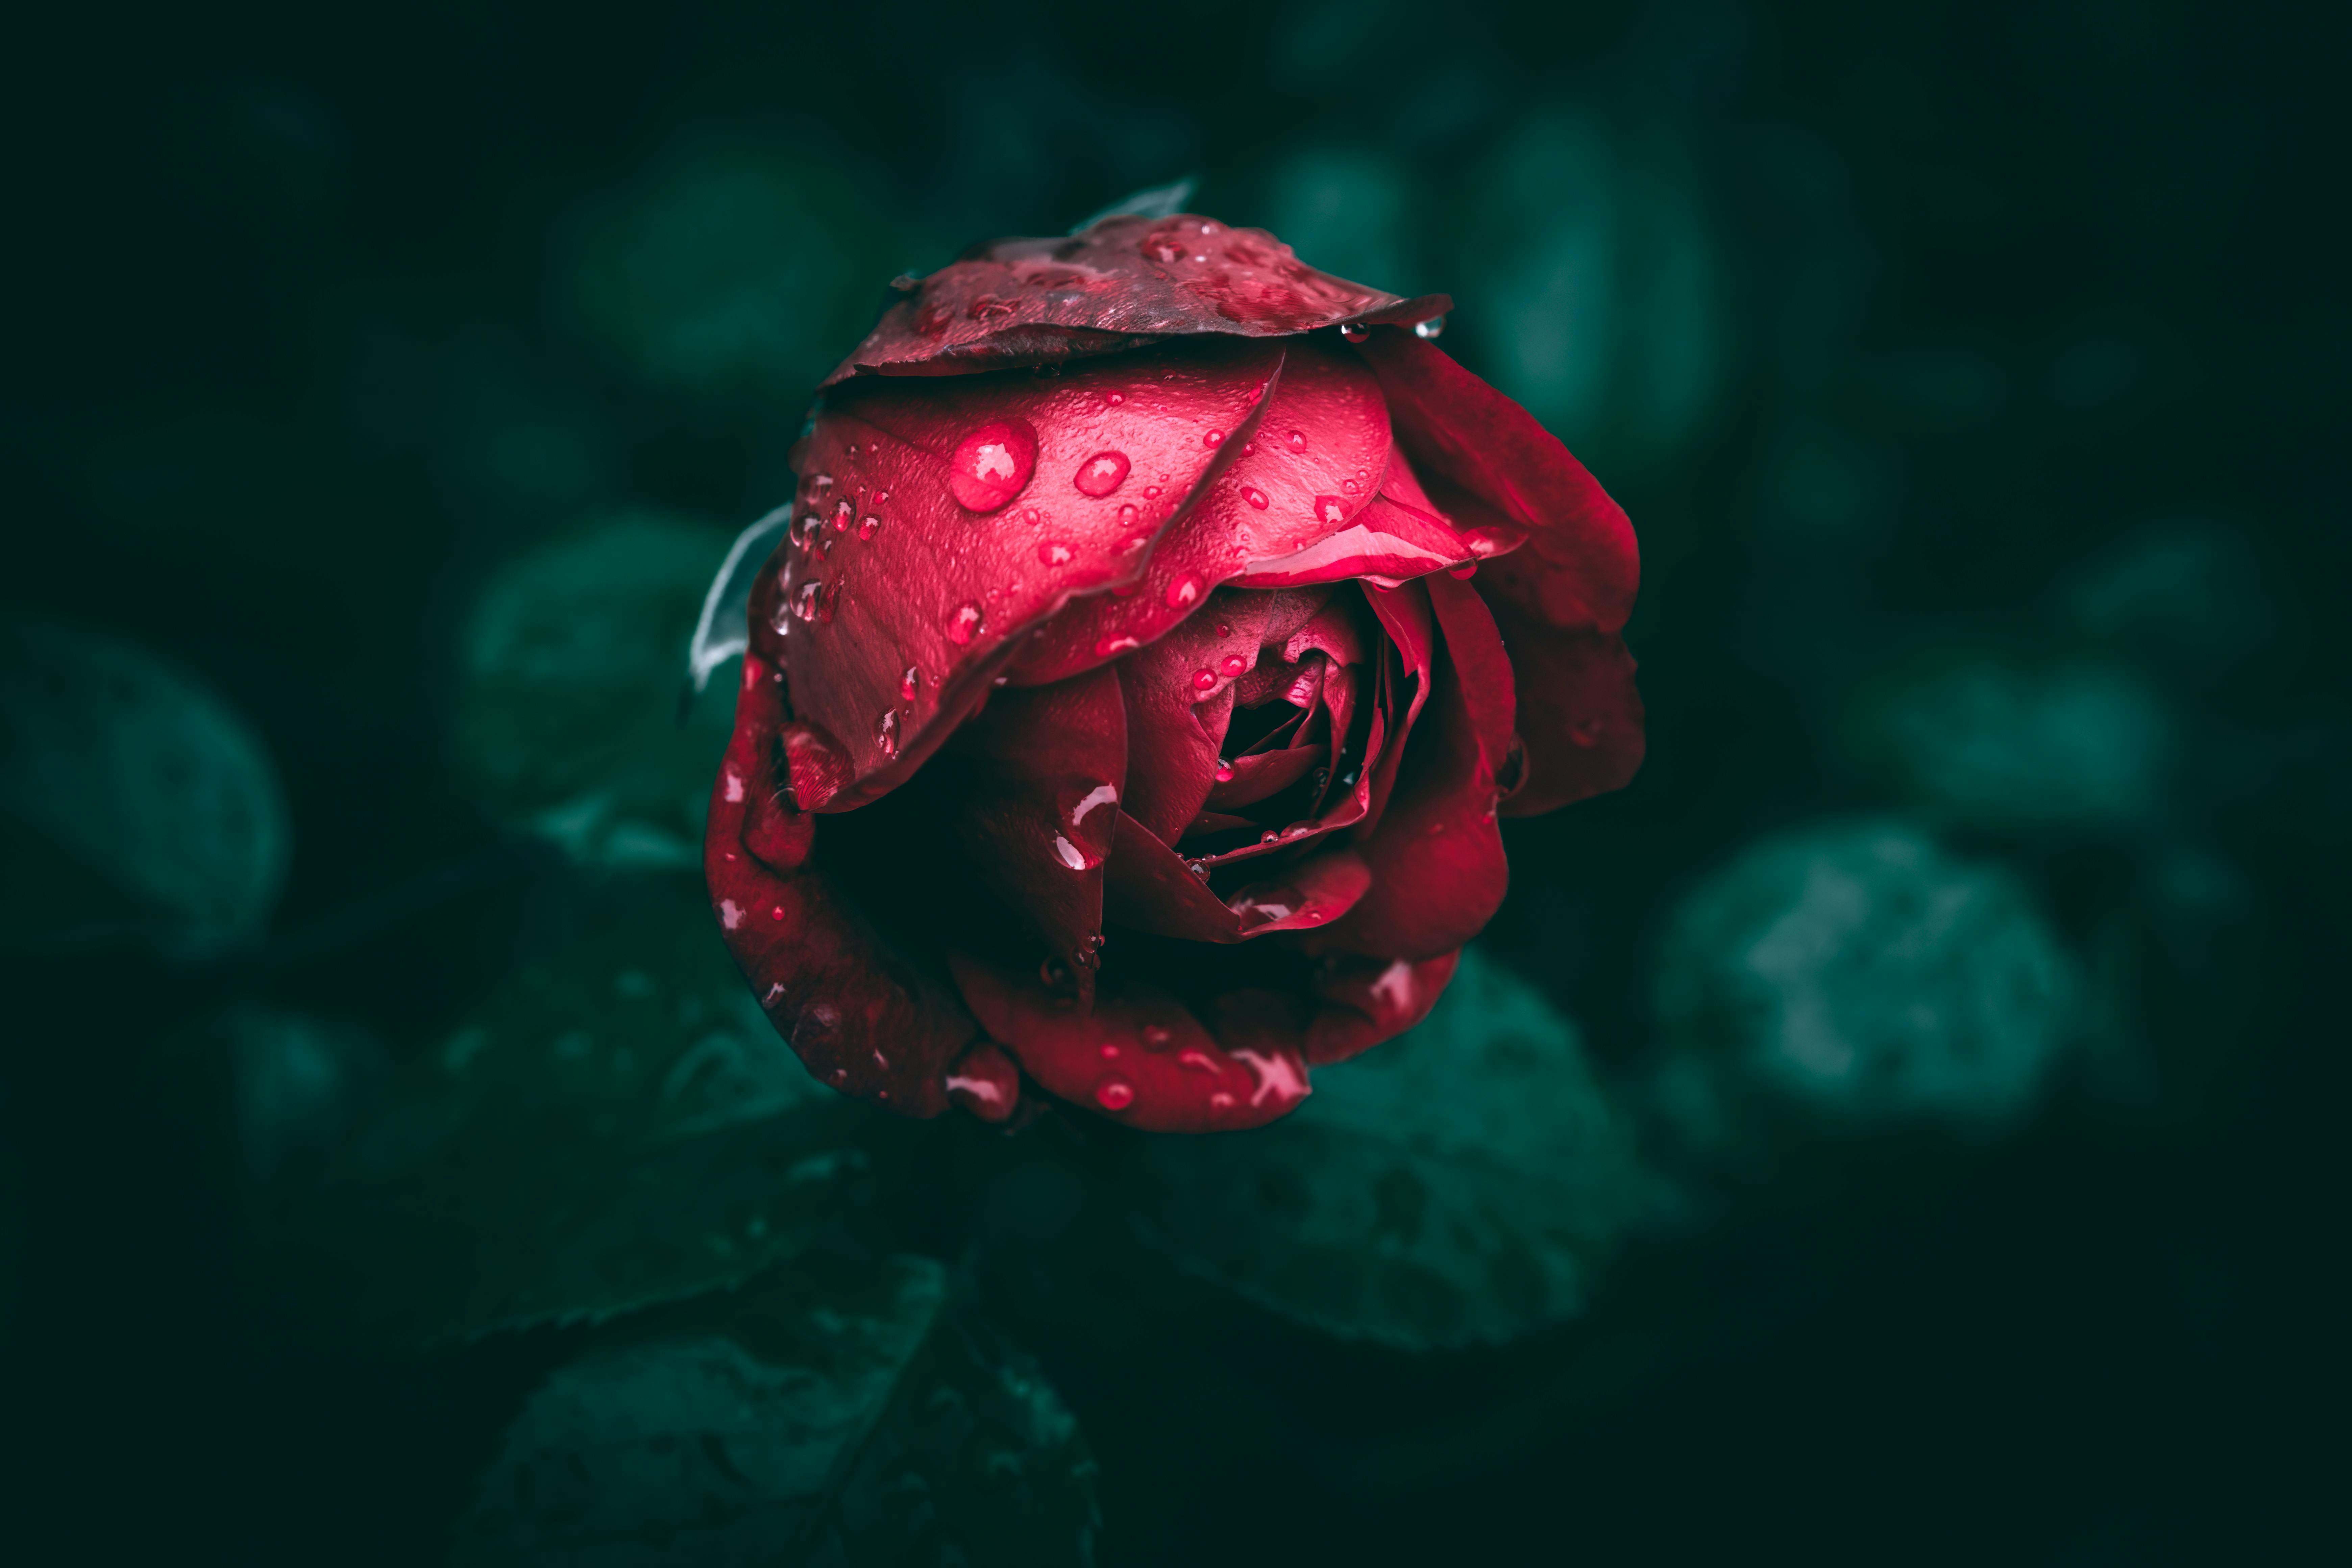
(1028, 794)
(1179, 694)
(1368, 1000)
(895, 630)
(860, 1014)
(1438, 869)
(1141, 1057)
(1264, 774)
(1404, 615)
(984, 1083)
(1580, 713)
(1151, 887)
(1124, 282)
(1580, 566)
(1309, 467)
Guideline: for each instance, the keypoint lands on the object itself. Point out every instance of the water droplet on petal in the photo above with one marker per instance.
(1234, 663)
(1111, 648)
(991, 464)
(1220, 1102)
(1198, 867)
(1213, 438)
(1102, 473)
(1054, 554)
(1115, 398)
(1202, 680)
(910, 683)
(1163, 247)
(1585, 731)
(1430, 328)
(805, 603)
(1224, 774)
(1195, 1059)
(1350, 486)
(1186, 590)
(1155, 1039)
(1255, 497)
(1115, 1093)
(1468, 569)
(964, 624)
(868, 526)
(1069, 854)
(1356, 333)
(1296, 440)
(1127, 515)
(885, 732)
(1330, 508)
(842, 512)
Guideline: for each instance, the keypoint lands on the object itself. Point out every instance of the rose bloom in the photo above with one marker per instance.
(1161, 629)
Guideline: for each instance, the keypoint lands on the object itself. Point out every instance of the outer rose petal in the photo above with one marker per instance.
(1580, 711)
(1151, 887)
(1458, 429)
(986, 1083)
(859, 1016)
(1141, 1057)
(893, 631)
(1308, 468)
(1367, 1002)
(1028, 791)
(1124, 282)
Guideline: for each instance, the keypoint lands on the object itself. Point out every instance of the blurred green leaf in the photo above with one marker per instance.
(2013, 745)
(568, 723)
(841, 1412)
(135, 804)
(1462, 1183)
(739, 270)
(616, 1126)
(1589, 276)
(1857, 974)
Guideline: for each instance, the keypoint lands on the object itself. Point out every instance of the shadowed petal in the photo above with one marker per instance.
(1367, 1001)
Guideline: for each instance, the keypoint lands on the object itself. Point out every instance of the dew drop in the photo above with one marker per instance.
(885, 732)
(1108, 1051)
(1249, 448)
(842, 512)
(1196, 1061)
(1255, 497)
(1032, 517)
(1330, 508)
(1155, 1039)
(1149, 492)
(1111, 648)
(1186, 590)
(1163, 247)
(1296, 440)
(1349, 485)
(1356, 333)
(1102, 473)
(1224, 774)
(991, 464)
(1198, 867)
(1224, 630)
(1220, 1102)
(879, 496)
(1115, 398)
(1213, 438)
(868, 526)
(1126, 514)
(910, 683)
(1204, 680)
(805, 602)
(964, 624)
(1115, 1093)
(1234, 663)
(1428, 329)
(1054, 554)
(1585, 731)
(1468, 569)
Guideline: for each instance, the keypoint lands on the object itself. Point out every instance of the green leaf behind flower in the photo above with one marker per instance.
(568, 723)
(616, 1126)
(1464, 1184)
(848, 1411)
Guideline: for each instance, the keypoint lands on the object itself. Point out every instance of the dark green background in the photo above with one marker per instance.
(2004, 340)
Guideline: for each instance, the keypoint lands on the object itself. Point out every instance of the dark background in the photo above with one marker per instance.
(1905, 333)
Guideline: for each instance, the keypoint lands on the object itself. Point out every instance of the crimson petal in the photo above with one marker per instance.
(859, 1014)
(1151, 887)
(1124, 282)
(1140, 1057)
(898, 602)
(1367, 1001)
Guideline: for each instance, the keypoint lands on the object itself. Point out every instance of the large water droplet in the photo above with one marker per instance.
(1186, 591)
(1296, 440)
(868, 525)
(806, 601)
(1115, 1093)
(1224, 774)
(1356, 333)
(1233, 664)
(1330, 508)
(1213, 438)
(964, 624)
(1069, 854)
(1111, 648)
(910, 683)
(842, 512)
(885, 732)
(1052, 553)
(1430, 328)
(1102, 473)
(1255, 497)
(1468, 569)
(991, 464)
(1202, 680)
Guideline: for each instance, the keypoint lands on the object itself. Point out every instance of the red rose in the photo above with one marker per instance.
(1161, 627)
